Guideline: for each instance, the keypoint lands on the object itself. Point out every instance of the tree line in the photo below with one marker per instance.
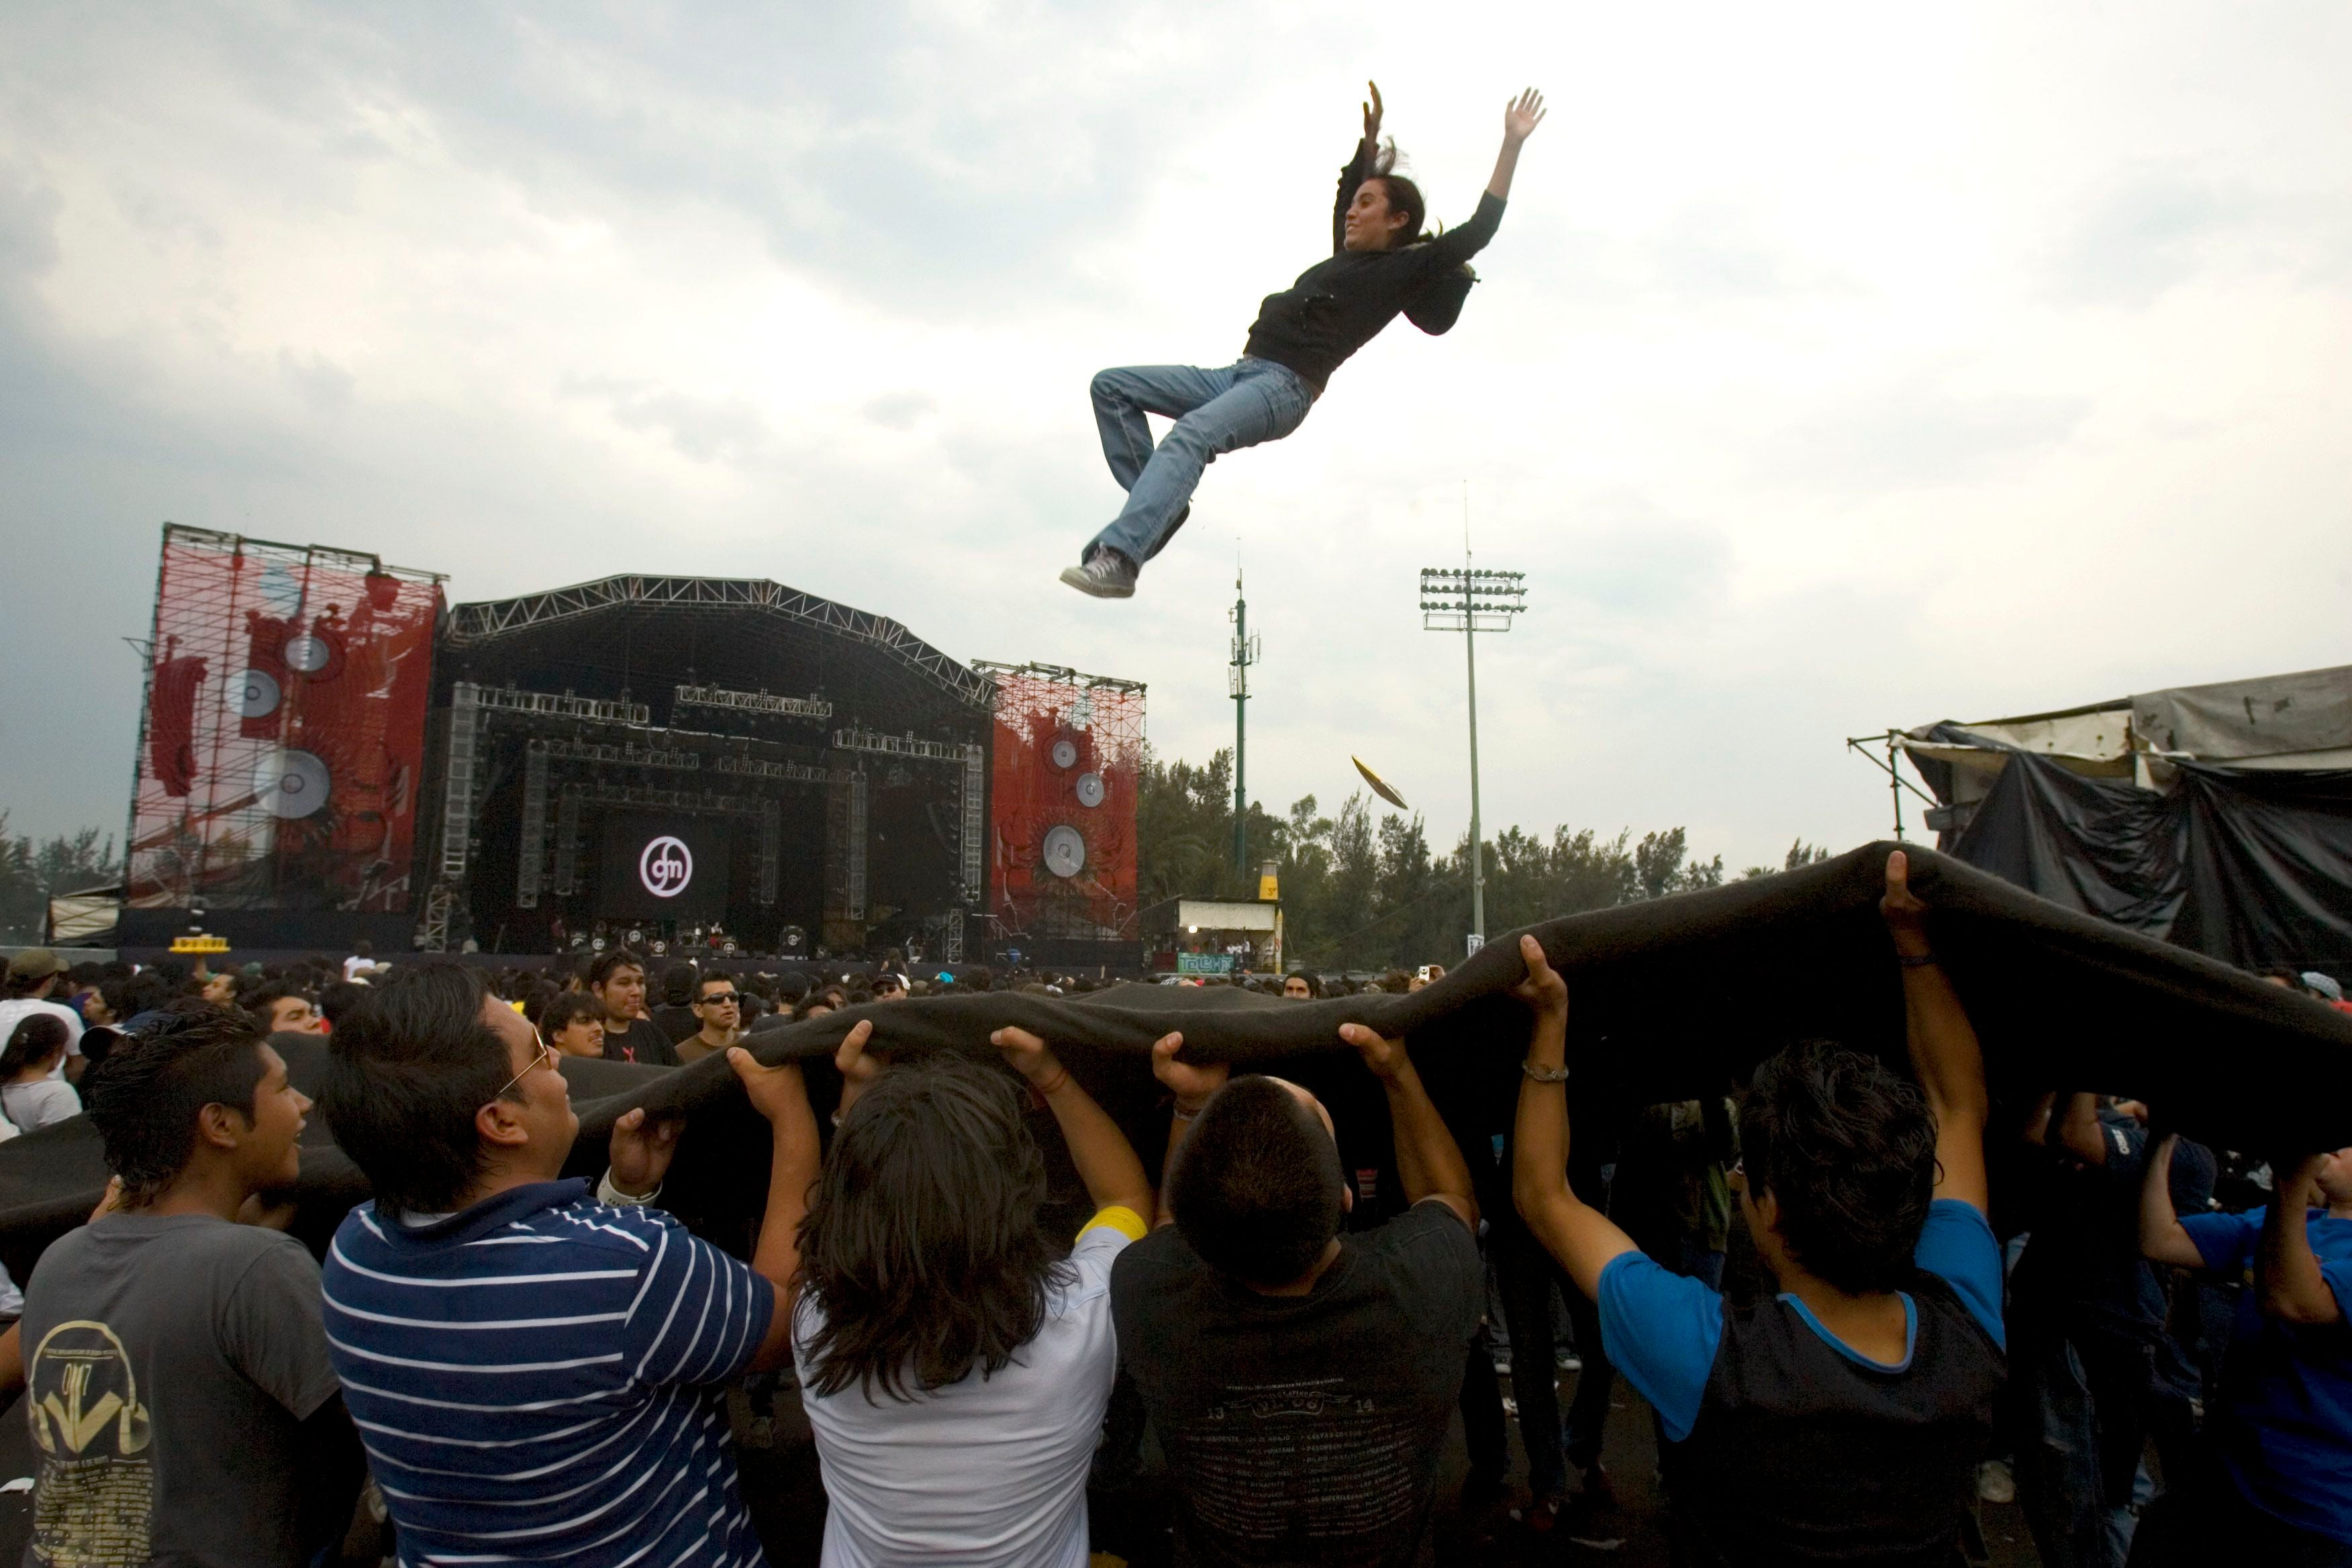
(1366, 892)
(32, 873)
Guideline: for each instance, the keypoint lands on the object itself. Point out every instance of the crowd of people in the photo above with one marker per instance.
(1856, 1297)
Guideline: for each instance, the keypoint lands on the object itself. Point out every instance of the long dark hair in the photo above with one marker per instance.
(921, 1250)
(1404, 197)
(35, 1037)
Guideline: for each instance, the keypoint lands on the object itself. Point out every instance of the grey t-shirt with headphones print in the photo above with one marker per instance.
(170, 1361)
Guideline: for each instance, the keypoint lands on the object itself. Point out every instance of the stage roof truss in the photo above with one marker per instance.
(906, 746)
(478, 622)
(658, 757)
(643, 744)
(607, 792)
(552, 705)
(816, 708)
(788, 773)
(1059, 674)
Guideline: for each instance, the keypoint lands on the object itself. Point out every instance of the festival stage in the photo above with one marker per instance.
(330, 754)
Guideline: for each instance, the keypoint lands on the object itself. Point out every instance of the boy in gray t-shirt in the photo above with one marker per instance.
(178, 1388)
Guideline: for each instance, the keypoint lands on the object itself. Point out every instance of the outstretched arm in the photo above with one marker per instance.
(1357, 168)
(1429, 1163)
(779, 1095)
(1943, 1051)
(1520, 119)
(1582, 1238)
(2286, 1271)
(1459, 244)
(1105, 1159)
(2162, 1238)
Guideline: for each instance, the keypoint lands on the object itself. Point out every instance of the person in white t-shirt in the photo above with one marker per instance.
(29, 1098)
(33, 976)
(954, 1365)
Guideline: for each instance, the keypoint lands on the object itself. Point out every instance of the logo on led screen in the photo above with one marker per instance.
(666, 867)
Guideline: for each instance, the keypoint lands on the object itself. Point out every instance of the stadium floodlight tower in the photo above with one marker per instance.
(1472, 600)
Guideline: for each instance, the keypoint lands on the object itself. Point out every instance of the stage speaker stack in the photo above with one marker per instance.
(1070, 839)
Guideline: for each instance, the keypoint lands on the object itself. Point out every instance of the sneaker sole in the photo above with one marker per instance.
(1076, 576)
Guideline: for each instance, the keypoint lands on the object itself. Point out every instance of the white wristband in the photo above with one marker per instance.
(606, 1193)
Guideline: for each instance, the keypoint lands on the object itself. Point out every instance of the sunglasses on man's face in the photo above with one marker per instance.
(882, 985)
(721, 998)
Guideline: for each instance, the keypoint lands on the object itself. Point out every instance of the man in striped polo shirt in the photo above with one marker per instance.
(537, 1371)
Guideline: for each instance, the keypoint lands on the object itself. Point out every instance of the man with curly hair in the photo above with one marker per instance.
(1841, 1418)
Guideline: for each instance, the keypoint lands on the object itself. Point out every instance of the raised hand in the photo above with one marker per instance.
(1905, 915)
(641, 1150)
(1192, 1085)
(772, 1090)
(1543, 989)
(1029, 1056)
(857, 1069)
(1373, 114)
(1385, 1056)
(1521, 117)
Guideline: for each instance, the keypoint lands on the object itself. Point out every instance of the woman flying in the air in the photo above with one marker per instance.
(1380, 264)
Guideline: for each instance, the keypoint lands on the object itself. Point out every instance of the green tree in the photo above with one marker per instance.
(1799, 854)
(31, 874)
(1361, 892)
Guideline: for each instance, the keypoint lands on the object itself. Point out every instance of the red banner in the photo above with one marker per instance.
(285, 728)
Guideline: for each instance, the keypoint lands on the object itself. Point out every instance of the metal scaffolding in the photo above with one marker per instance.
(469, 623)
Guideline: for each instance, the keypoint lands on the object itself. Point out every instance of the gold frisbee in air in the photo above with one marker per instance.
(1380, 785)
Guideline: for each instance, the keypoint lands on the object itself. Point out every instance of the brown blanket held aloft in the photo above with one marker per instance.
(1668, 999)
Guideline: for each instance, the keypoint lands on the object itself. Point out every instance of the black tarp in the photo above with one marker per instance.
(2249, 865)
(1670, 999)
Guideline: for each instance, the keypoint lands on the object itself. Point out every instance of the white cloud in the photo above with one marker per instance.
(1834, 368)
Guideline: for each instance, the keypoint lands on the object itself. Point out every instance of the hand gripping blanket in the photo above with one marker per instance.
(1671, 999)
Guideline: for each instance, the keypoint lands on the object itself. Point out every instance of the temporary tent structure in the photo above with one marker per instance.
(85, 917)
(2218, 817)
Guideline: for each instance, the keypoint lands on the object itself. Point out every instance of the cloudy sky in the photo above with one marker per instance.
(1835, 367)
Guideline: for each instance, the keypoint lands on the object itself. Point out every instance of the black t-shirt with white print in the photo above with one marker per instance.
(1304, 1428)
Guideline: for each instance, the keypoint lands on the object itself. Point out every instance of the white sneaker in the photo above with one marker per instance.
(1107, 577)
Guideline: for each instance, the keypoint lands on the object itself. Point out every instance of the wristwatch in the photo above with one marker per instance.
(608, 1193)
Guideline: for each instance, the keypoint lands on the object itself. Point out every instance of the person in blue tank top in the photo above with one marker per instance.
(1841, 1418)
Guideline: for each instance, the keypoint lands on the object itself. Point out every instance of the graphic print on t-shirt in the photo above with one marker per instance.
(96, 1489)
(1307, 1460)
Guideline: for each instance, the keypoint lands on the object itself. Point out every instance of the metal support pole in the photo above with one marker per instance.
(1469, 600)
(1477, 842)
(1894, 786)
(1241, 728)
(1244, 654)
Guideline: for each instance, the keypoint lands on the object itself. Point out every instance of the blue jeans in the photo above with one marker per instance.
(1216, 412)
(2078, 1477)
